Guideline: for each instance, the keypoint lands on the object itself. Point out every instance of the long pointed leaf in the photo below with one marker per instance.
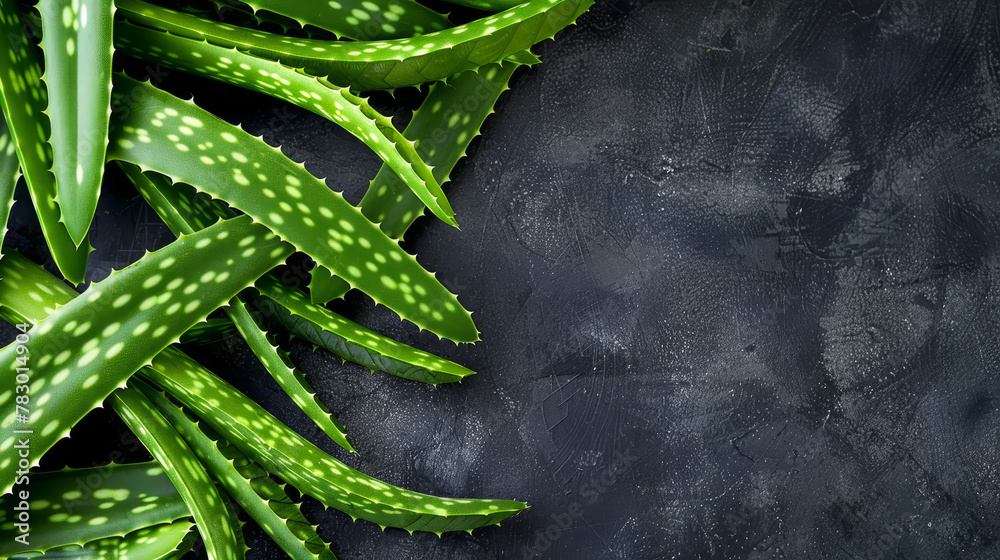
(368, 65)
(90, 346)
(76, 40)
(337, 104)
(23, 100)
(443, 126)
(181, 465)
(262, 498)
(291, 381)
(289, 456)
(9, 173)
(351, 341)
(158, 134)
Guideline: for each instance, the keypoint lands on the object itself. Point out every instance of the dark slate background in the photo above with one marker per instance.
(734, 266)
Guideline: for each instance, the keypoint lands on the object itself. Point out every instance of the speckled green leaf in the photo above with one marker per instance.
(355, 19)
(180, 208)
(159, 134)
(442, 129)
(292, 458)
(23, 101)
(337, 104)
(249, 485)
(10, 170)
(166, 541)
(88, 347)
(76, 506)
(184, 470)
(390, 64)
(291, 380)
(76, 40)
(291, 309)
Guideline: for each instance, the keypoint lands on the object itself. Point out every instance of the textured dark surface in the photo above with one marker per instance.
(733, 263)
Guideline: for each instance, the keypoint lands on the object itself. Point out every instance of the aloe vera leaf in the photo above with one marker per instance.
(292, 381)
(182, 466)
(390, 64)
(320, 326)
(76, 40)
(306, 213)
(444, 125)
(284, 453)
(176, 205)
(292, 458)
(354, 19)
(250, 486)
(10, 170)
(159, 542)
(337, 104)
(64, 505)
(23, 101)
(88, 347)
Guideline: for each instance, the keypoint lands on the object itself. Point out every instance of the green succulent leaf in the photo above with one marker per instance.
(389, 64)
(184, 470)
(10, 171)
(91, 345)
(76, 40)
(77, 506)
(166, 541)
(320, 326)
(291, 380)
(184, 212)
(23, 100)
(444, 125)
(158, 134)
(354, 19)
(249, 485)
(289, 456)
(335, 103)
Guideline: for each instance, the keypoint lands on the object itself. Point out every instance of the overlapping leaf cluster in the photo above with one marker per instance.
(240, 208)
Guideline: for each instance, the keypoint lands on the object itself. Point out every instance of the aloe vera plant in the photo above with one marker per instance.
(240, 208)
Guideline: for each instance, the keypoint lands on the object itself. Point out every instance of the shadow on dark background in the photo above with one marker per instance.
(733, 263)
